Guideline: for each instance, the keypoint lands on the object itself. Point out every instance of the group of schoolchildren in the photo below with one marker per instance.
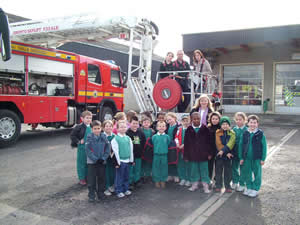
(111, 157)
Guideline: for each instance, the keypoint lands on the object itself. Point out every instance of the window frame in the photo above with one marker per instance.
(246, 108)
(289, 112)
(99, 69)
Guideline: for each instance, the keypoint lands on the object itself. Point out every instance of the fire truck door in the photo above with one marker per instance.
(94, 92)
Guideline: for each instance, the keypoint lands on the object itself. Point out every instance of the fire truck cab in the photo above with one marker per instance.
(52, 88)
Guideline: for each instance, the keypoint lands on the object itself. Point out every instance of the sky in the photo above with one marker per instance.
(173, 18)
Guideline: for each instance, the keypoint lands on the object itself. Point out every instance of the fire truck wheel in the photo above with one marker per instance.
(106, 114)
(10, 127)
(167, 93)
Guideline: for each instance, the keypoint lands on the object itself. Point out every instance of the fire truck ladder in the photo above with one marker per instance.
(56, 31)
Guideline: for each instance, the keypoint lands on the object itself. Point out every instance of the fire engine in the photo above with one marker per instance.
(50, 87)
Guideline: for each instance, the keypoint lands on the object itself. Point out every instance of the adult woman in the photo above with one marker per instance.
(166, 65)
(202, 67)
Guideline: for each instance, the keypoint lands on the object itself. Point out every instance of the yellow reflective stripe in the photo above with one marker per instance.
(100, 94)
(110, 94)
(37, 51)
(90, 93)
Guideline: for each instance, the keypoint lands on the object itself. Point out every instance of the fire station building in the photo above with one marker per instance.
(254, 65)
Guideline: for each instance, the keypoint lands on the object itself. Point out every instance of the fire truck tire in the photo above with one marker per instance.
(106, 113)
(10, 127)
(167, 93)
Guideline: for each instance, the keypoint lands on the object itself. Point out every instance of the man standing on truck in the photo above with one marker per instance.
(182, 78)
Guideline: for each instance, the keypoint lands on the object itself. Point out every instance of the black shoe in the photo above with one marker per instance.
(144, 180)
(137, 184)
(131, 187)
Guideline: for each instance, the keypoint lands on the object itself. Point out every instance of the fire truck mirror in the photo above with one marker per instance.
(124, 79)
(4, 37)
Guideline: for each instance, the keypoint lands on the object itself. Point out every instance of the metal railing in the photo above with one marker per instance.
(199, 83)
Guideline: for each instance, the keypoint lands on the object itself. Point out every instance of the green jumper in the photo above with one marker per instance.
(172, 169)
(160, 158)
(147, 166)
(236, 167)
(109, 168)
(252, 166)
(81, 157)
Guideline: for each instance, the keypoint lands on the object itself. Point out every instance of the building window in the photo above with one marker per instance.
(287, 90)
(242, 84)
(94, 74)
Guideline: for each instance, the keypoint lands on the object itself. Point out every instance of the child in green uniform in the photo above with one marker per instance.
(109, 167)
(161, 143)
(238, 182)
(78, 139)
(225, 141)
(171, 131)
(182, 166)
(253, 153)
(161, 116)
(147, 166)
(123, 150)
(138, 140)
(197, 151)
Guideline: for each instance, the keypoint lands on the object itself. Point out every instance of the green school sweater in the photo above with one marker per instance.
(171, 130)
(161, 143)
(147, 132)
(124, 146)
(111, 137)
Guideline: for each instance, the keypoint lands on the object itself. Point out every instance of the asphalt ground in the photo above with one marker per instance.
(38, 185)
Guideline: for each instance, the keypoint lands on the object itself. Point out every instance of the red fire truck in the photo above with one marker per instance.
(52, 88)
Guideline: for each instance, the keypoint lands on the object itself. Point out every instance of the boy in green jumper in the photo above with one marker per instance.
(78, 139)
(147, 166)
(238, 182)
(161, 143)
(253, 153)
(123, 150)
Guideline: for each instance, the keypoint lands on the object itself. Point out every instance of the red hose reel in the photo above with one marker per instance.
(167, 93)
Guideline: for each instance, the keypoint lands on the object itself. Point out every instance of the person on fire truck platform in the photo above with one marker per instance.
(166, 65)
(201, 65)
(180, 65)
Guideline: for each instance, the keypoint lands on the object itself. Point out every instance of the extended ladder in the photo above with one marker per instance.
(56, 31)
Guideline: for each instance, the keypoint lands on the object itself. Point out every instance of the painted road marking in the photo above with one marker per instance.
(277, 147)
(200, 215)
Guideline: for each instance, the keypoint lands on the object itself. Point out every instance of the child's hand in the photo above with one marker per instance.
(220, 153)
(262, 163)
(229, 156)
(133, 163)
(117, 167)
(177, 145)
(82, 141)
(241, 162)
(209, 157)
(181, 147)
